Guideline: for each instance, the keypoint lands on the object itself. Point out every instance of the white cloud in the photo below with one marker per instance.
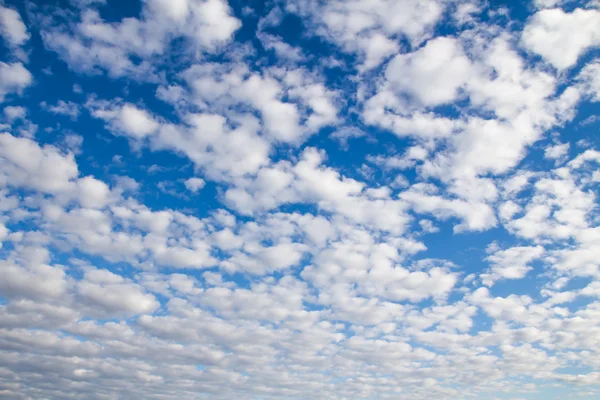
(548, 3)
(511, 263)
(14, 78)
(130, 120)
(494, 77)
(374, 23)
(35, 279)
(284, 51)
(261, 260)
(479, 137)
(557, 151)
(108, 294)
(62, 107)
(136, 122)
(310, 105)
(194, 184)
(560, 37)
(93, 193)
(91, 58)
(117, 47)
(310, 182)
(583, 158)
(27, 165)
(73, 142)
(212, 144)
(358, 15)
(14, 112)
(419, 124)
(377, 47)
(433, 74)
(210, 140)
(183, 257)
(590, 80)
(476, 216)
(12, 27)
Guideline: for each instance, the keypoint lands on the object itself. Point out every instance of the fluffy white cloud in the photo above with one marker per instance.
(136, 122)
(129, 120)
(35, 279)
(476, 216)
(40, 168)
(557, 151)
(377, 47)
(310, 105)
(14, 78)
(374, 23)
(590, 80)
(561, 37)
(108, 294)
(118, 47)
(13, 29)
(308, 181)
(511, 263)
(194, 184)
(433, 74)
(14, 112)
(93, 193)
(214, 145)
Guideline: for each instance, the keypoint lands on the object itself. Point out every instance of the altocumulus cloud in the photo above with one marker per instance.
(299, 199)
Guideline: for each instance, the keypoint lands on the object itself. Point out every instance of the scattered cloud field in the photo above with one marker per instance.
(300, 199)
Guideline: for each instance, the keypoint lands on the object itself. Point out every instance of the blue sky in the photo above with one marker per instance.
(303, 199)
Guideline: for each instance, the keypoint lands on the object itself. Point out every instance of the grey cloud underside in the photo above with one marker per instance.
(341, 303)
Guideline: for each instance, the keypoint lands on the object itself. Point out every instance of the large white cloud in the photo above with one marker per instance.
(43, 169)
(12, 26)
(108, 294)
(560, 37)
(433, 74)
